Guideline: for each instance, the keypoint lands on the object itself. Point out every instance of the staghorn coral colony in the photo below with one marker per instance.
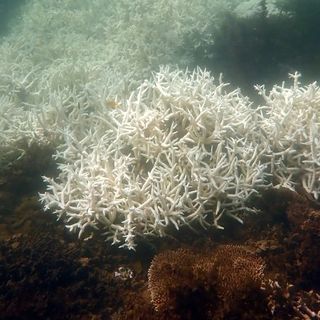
(183, 149)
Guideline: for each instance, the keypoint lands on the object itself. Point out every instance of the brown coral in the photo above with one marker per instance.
(238, 271)
(222, 277)
(170, 272)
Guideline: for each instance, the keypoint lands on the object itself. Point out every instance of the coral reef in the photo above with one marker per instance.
(135, 158)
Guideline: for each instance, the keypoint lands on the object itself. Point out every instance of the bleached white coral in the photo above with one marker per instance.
(292, 123)
(180, 149)
(59, 54)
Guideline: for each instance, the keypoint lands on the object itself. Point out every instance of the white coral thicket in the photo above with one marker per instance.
(183, 149)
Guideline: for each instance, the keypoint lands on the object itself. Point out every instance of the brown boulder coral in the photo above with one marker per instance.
(238, 272)
(170, 272)
(177, 279)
